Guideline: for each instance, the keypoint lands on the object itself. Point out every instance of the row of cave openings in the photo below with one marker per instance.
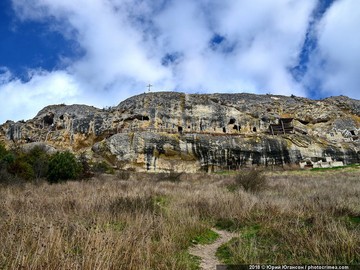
(224, 129)
(49, 120)
(190, 128)
(180, 129)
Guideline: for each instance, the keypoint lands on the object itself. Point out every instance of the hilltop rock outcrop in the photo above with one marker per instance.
(191, 132)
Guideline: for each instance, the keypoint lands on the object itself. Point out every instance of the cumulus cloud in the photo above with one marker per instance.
(21, 100)
(193, 46)
(258, 42)
(335, 64)
(114, 49)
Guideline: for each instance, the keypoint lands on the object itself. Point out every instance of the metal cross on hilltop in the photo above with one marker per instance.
(149, 87)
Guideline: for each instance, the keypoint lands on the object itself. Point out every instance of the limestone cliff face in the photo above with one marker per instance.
(183, 132)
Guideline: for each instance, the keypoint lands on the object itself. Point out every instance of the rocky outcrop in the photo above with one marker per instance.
(191, 132)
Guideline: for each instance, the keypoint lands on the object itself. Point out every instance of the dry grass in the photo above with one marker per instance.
(107, 223)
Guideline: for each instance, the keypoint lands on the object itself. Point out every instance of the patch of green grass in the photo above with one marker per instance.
(207, 237)
(161, 203)
(232, 187)
(187, 260)
(355, 220)
(352, 222)
(254, 245)
(269, 243)
(115, 226)
(336, 168)
(249, 232)
(224, 253)
(161, 200)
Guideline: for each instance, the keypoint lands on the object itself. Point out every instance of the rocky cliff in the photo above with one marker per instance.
(191, 132)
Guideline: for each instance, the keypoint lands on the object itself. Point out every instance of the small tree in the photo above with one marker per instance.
(22, 169)
(86, 169)
(39, 161)
(63, 166)
(3, 151)
(3, 154)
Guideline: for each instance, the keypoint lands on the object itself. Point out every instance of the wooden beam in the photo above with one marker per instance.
(282, 124)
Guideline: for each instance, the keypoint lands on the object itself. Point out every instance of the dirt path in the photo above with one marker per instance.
(207, 252)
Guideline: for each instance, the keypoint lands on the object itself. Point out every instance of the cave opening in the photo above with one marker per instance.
(232, 121)
(49, 119)
(180, 129)
(237, 127)
(254, 129)
(224, 129)
(304, 122)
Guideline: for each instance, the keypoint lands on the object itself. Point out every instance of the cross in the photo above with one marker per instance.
(149, 87)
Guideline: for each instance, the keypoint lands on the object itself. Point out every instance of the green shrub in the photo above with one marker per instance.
(5, 157)
(25, 165)
(9, 158)
(86, 168)
(3, 151)
(252, 180)
(102, 167)
(22, 169)
(8, 178)
(123, 175)
(63, 166)
(39, 161)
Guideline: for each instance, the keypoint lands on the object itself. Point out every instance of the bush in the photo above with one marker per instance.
(3, 151)
(123, 175)
(63, 166)
(25, 165)
(252, 180)
(5, 156)
(39, 161)
(7, 159)
(9, 179)
(86, 169)
(22, 169)
(102, 167)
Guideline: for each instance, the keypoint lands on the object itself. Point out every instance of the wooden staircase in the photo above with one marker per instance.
(284, 127)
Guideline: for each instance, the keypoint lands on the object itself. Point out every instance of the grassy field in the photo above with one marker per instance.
(300, 217)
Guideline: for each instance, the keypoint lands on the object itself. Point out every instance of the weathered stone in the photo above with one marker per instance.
(43, 146)
(191, 132)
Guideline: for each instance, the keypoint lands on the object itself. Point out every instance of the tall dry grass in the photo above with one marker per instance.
(144, 223)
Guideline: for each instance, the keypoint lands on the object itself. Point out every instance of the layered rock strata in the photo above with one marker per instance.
(191, 132)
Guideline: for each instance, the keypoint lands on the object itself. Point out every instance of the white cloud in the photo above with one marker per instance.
(335, 65)
(265, 39)
(23, 99)
(125, 42)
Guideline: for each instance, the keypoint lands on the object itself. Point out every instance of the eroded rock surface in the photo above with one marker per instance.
(191, 132)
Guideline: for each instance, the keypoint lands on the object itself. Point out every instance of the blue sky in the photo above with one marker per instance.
(99, 52)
